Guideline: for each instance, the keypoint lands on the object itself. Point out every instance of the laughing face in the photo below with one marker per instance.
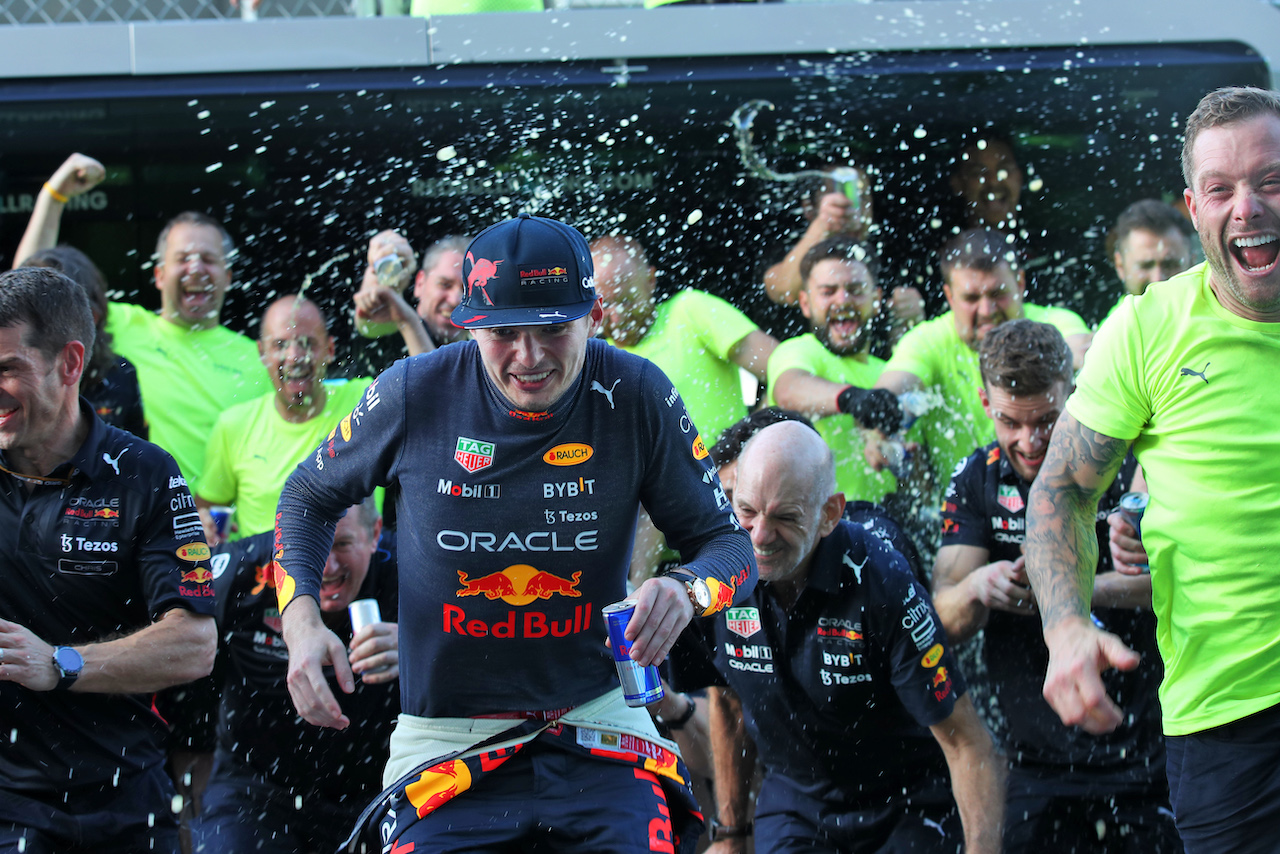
(981, 300)
(296, 350)
(1235, 204)
(1024, 424)
(348, 563)
(192, 276)
(533, 366)
(989, 181)
(839, 299)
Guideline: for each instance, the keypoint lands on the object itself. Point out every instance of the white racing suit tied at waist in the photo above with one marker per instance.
(416, 738)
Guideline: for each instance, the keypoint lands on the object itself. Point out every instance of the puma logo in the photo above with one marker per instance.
(1187, 372)
(856, 567)
(607, 392)
(113, 463)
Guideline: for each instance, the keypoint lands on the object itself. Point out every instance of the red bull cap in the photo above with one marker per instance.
(527, 271)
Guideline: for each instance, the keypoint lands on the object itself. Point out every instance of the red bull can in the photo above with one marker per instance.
(1132, 506)
(640, 685)
(220, 516)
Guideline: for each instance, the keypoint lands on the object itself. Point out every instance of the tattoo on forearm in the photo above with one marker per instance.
(1062, 543)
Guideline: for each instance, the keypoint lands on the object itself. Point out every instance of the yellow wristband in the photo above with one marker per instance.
(57, 197)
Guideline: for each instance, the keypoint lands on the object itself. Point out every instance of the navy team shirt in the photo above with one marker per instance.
(258, 729)
(514, 528)
(841, 690)
(985, 506)
(102, 555)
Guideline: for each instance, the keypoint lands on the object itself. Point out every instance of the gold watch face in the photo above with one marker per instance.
(700, 593)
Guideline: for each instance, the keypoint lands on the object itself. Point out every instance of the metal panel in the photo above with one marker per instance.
(58, 51)
(277, 45)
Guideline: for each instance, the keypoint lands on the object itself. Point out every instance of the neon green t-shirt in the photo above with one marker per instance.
(934, 352)
(1195, 386)
(187, 378)
(692, 336)
(253, 450)
(853, 476)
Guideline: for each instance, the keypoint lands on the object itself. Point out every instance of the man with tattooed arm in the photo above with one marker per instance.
(1185, 374)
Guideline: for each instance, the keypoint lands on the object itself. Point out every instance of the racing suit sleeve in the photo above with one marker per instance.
(683, 496)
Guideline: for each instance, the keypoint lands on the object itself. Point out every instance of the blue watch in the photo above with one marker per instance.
(68, 663)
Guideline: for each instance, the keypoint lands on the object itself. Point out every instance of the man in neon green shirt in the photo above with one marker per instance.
(984, 287)
(256, 444)
(1186, 374)
(699, 340)
(821, 373)
(190, 368)
(1152, 244)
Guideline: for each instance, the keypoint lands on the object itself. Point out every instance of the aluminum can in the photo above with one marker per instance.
(363, 612)
(387, 270)
(640, 685)
(221, 515)
(1132, 506)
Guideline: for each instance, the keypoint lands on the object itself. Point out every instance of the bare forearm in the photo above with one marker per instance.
(1114, 590)
(978, 773)
(804, 392)
(961, 612)
(42, 228)
(1062, 542)
(733, 757)
(752, 353)
(954, 597)
(177, 648)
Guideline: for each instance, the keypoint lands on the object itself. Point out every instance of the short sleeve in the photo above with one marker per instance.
(1110, 396)
(722, 326)
(962, 511)
(218, 484)
(916, 352)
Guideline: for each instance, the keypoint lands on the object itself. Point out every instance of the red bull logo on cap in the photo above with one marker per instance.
(482, 271)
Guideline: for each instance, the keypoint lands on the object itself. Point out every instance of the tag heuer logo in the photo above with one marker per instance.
(743, 622)
(473, 455)
(1008, 498)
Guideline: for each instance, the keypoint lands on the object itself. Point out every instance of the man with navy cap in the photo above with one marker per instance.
(522, 458)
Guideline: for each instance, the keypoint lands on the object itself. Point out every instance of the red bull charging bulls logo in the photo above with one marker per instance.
(481, 272)
(519, 585)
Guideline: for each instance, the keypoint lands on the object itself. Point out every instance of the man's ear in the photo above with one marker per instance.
(71, 363)
(832, 510)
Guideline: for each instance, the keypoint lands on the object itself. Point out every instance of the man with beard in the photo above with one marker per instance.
(828, 373)
(984, 286)
(1152, 244)
(699, 340)
(256, 444)
(1185, 374)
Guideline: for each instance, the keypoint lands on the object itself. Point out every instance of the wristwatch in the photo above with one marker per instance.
(699, 592)
(68, 663)
(719, 831)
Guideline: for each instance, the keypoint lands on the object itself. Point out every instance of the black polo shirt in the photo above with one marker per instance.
(258, 728)
(985, 506)
(103, 554)
(841, 690)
